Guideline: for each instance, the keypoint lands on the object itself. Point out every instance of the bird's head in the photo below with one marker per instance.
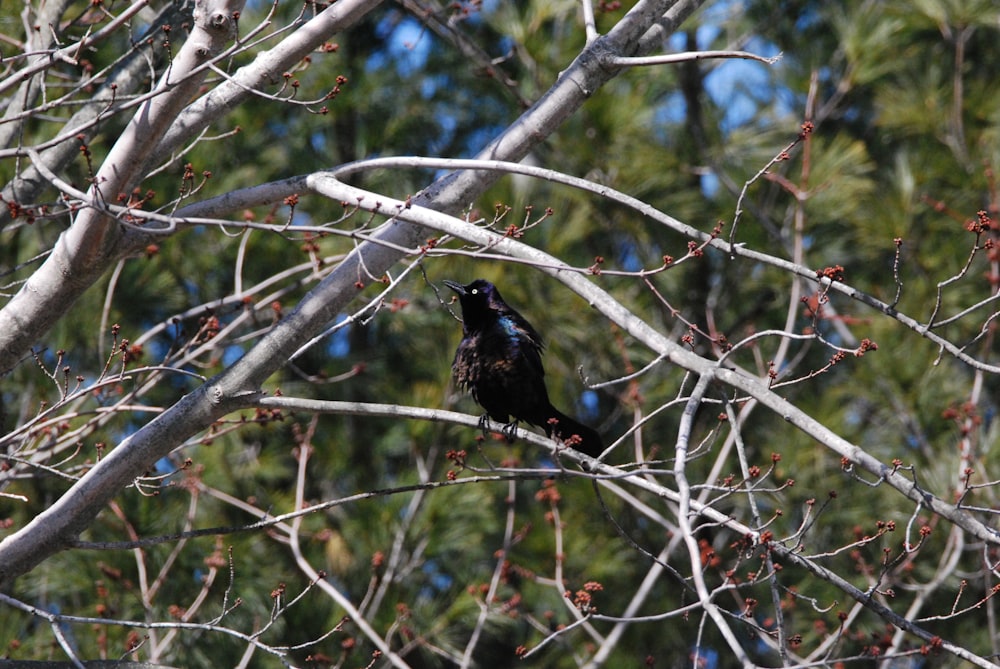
(478, 299)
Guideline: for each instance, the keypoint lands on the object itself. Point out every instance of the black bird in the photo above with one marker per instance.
(499, 360)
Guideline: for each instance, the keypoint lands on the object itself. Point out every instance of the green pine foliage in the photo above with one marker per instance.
(902, 99)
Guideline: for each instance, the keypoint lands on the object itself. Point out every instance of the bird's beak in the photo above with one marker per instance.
(457, 287)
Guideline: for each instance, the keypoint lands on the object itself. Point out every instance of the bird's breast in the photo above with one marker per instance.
(487, 359)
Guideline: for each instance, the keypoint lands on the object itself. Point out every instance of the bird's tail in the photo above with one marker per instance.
(574, 434)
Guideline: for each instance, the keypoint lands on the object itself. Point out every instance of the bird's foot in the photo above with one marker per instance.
(509, 431)
(484, 424)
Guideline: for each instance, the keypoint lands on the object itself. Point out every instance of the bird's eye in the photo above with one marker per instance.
(474, 291)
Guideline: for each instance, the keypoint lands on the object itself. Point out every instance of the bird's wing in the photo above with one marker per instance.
(531, 343)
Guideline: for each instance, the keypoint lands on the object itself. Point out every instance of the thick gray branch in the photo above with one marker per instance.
(83, 253)
(123, 80)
